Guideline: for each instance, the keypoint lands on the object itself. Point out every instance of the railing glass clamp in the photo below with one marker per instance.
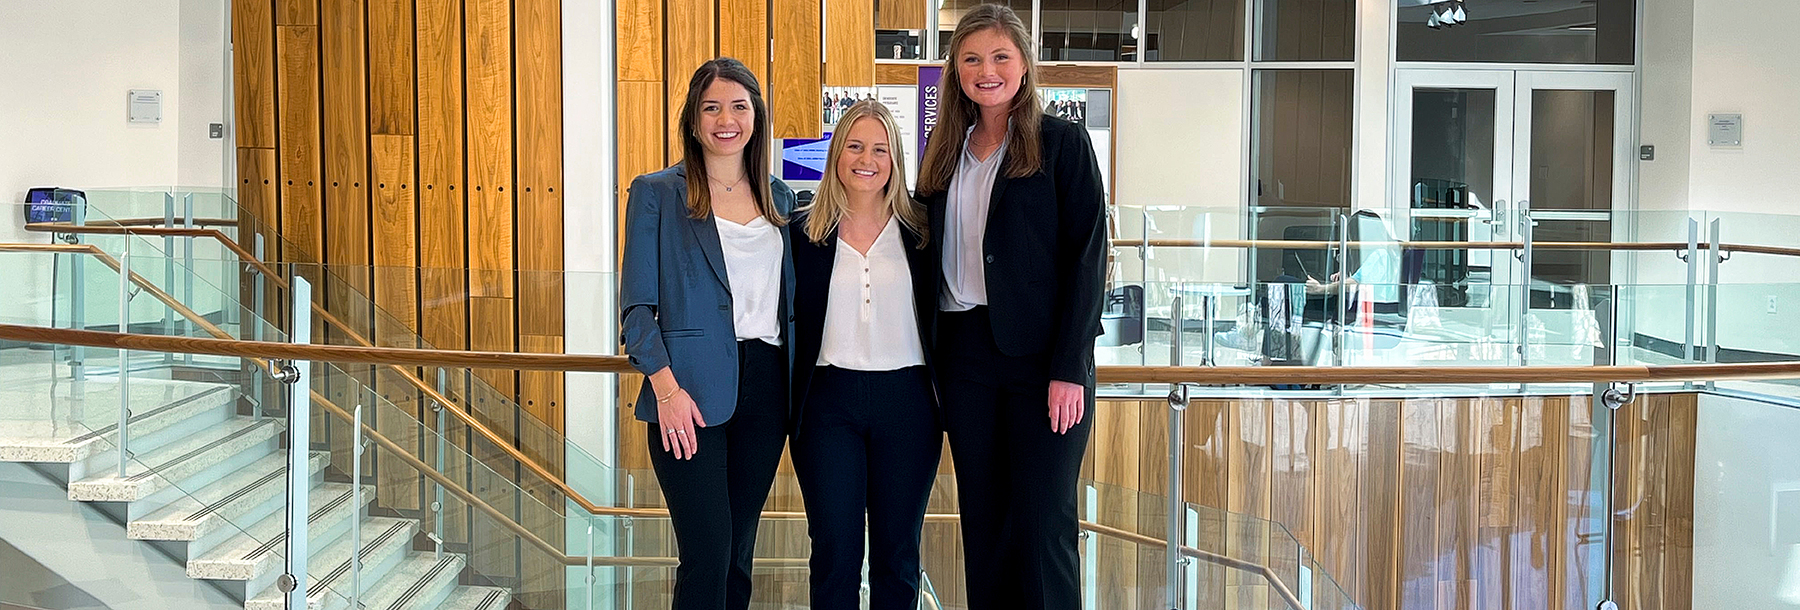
(1618, 395)
(283, 371)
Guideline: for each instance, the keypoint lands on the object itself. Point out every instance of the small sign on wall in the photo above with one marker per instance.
(1725, 130)
(144, 106)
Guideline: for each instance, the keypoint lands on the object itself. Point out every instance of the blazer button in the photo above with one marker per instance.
(990, 259)
(724, 308)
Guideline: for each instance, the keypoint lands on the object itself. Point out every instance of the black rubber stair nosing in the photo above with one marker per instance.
(235, 496)
(344, 568)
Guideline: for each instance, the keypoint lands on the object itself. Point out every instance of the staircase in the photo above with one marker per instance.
(205, 486)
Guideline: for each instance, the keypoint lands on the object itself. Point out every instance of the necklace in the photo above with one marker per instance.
(728, 187)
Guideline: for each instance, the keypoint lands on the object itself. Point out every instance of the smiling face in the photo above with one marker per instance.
(867, 161)
(726, 119)
(989, 68)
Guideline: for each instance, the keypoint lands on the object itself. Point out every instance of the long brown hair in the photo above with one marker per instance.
(827, 208)
(756, 153)
(958, 112)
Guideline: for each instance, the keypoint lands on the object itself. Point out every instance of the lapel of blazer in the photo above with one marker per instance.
(706, 233)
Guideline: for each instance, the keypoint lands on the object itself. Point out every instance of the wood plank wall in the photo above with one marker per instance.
(423, 137)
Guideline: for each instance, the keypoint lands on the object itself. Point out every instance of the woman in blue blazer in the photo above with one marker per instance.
(706, 296)
(868, 439)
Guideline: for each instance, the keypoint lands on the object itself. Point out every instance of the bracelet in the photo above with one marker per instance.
(664, 399)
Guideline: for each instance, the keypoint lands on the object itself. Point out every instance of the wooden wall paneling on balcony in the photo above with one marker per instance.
(391, 76)
(296, 12)
(1378, 513)
(489, 77)
(641, 145)
(744, 34)
(849, 44)
(253, 75)
(297, 52)
(896, 74)
(443, 284)
(346, 160)
(796, 69)
(640, 40)
(690, 39)
(899, 15)
(1247, 463)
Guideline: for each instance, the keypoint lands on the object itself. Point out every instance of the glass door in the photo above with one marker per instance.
(1571, 167)
(1453, 170)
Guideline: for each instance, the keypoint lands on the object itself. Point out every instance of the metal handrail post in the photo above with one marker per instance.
(187, 279)
(258, 313)
(1712, 298)
(1343, 305)
(298, 377)
(1693, 279)
(1178, 399)
(78, 298)
(1527, 235)
(124, 359)
(356, 505)
(168, 254)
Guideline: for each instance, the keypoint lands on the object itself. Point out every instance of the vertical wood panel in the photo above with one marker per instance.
(491, 329)
(640, 138)
(639, 40)
(488, 49)
(1382, 484)
(744, 34)
(1420, 447)
(346, 160)
(253, 74)
(297, 51)
(296, 12)
(690, 40)
(540, 205)
(257, 194)
(396, 242)
(443, 305)
(900, 15)
(391, 75)
(1678, 562)
(795, 69)
(849, 43)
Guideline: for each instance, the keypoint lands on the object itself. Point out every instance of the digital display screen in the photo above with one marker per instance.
(803, 159)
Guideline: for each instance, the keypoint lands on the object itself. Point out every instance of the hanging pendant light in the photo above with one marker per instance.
(1447, 17)
(1462, 16)
(1432, 21)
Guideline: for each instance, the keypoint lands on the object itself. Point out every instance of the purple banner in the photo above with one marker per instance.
(928, 103)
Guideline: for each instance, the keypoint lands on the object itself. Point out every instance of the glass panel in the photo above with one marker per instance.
(1566, 267)
(1520, 31)
(951, 11)
(1195, 30)
(1302, 148)
(1293, 30)
(1083, 31)
(1571, 150)
(1452, 148)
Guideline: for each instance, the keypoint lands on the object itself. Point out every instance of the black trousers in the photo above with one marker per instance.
(1016, 479)
(868, 441)
(716, 499)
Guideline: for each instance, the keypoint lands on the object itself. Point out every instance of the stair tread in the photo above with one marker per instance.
(476, 598)
(412, 583)
(251, 551)
(43, 422)
(186, 518)
(146, 473)
(329, 568)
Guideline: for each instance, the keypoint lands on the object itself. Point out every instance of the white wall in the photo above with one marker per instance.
(1179, 145)
(1746, 505)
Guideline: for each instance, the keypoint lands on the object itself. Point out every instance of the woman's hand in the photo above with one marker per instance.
(678, 419)
(1067, 401)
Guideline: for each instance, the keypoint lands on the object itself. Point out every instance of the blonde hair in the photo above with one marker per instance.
(958, 112)
(832, 201)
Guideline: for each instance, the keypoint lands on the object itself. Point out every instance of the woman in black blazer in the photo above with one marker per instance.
(1017, 209)
(705, 293)
(868, 439)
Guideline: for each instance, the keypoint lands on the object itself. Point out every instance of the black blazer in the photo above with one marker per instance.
(1045, 250)
(813, 264)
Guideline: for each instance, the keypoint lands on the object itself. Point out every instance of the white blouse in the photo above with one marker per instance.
(753, 266)
(870, 321)
(965, 228)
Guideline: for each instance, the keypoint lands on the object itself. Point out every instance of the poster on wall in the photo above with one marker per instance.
(803, 159)
(929, 77)
(903, 102)
(1069, 104)
(837, 100)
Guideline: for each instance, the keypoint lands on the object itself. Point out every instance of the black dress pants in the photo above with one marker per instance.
(1016, 479)
(716, 499)
(868, 441)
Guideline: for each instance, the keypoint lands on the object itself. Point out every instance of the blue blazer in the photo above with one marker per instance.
(675, 298)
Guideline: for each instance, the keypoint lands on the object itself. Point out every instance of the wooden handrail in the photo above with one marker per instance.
(1192, 375)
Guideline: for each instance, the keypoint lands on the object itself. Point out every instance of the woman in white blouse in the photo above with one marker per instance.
(868, 438)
